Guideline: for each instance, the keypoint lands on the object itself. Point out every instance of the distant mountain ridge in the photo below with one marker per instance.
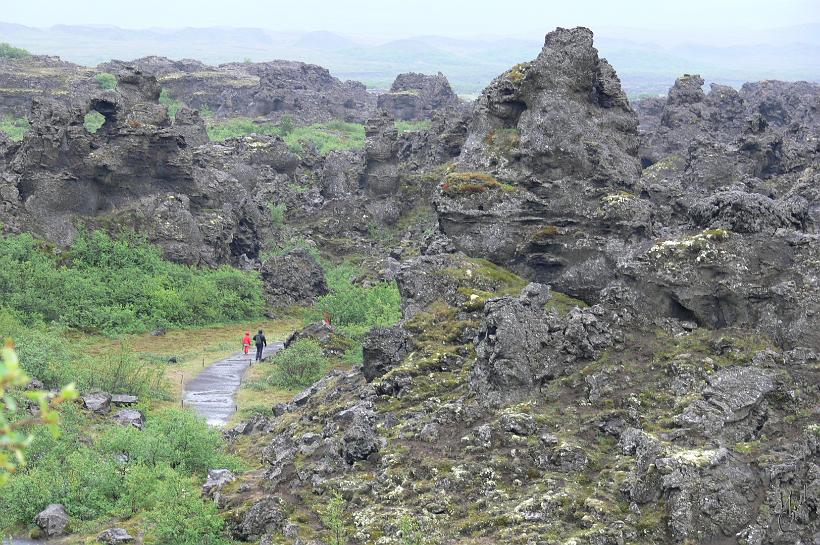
(647, 60)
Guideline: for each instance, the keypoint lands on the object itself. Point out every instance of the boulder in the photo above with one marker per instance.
(383, 348)
(124, 399)
(52, 520)
(97, 402)
(115, 536)
(217, 479)
(129, 417)
(417, 96)
(293, 278)
(264, 517)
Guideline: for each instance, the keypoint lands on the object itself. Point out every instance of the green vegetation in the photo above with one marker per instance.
(326, 137)
(470, 183)
(118, 472)
(93, 121)
(8, 51)
(357, 309)
(302, 364)
(333, 519)
(277, 213)
(14, 437)
(111, 286)
(107, 81)
(412, 126)
(170, 102)
(14, 127)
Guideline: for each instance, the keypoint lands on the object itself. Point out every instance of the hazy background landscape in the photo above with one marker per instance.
(647, 59)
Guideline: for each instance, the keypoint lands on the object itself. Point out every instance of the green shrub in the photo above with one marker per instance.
(277, 213)
(107, 81)
(300, 365)
(180, 516)
(118, 285)
(93, 121)
(160, 476)
(8, 51)
(354, 308)
(173, 437)
(170, 102)
(14, 127)
(206, 112)
(286, 125)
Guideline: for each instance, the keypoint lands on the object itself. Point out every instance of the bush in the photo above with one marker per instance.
(118, 285)
(277, 213)
(357, 309)
(299, 366)
(107, 81)
(173, 437)
(239, 126)
(93, 121)
(8, 51)
(160, 476)
(180, 516)
(14, 127)
(173, 105)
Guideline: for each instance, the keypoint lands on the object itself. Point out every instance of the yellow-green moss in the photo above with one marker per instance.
(563, 303)
(470, 183)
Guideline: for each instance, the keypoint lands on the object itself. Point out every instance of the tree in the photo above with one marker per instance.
(14, 439)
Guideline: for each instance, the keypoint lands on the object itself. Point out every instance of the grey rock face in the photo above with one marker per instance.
(129, 417)
(381, 174)
(417, 96)
(52, 520)
(293, 278)
(360, 438)
(115, 536)
(520, 346)
(263, 517)
(98, 402)
(383, 348)
(217, 480)
(733, 400)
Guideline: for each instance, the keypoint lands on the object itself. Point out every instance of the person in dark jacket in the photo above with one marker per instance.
(261, 342)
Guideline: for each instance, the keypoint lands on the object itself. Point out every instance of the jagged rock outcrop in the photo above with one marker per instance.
(141, 171)
(293, 278)
(563, 115)
(37, 77)
(304, 92)
(414, 96)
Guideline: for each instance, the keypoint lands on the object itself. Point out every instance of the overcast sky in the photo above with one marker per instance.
(415, 17)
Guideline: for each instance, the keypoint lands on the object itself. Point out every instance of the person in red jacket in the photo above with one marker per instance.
(246, 342)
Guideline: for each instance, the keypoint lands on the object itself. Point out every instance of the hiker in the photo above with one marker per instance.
(261, 342)
(246, 342)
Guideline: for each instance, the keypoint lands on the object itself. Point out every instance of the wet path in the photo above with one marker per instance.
(212, 393)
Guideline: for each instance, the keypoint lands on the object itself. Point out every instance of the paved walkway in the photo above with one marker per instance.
(212, 393)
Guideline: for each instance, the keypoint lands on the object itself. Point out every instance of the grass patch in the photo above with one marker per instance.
(563, 303)
(14, 127)
(412, 126)
(325, 137)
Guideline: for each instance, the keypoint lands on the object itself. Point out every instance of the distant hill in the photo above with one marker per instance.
(646, 60)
